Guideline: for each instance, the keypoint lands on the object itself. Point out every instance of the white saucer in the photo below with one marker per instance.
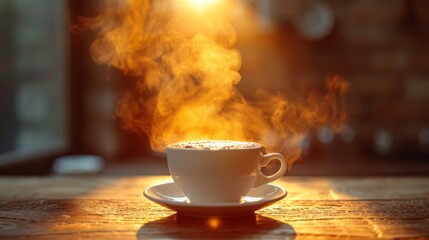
(169, 196)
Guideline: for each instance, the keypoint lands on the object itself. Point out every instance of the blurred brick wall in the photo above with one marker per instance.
(381, 48)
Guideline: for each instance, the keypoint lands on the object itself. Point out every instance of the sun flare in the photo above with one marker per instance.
(200, 5)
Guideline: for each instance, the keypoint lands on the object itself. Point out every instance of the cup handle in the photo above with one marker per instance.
(265, 159)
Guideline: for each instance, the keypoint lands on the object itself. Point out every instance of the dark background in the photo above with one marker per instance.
(380, 47)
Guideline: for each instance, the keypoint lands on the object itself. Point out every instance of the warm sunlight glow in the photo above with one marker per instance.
(213, 222)
(185, 72)
(200, 5)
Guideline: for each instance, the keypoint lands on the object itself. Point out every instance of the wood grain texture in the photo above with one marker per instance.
(114, 208)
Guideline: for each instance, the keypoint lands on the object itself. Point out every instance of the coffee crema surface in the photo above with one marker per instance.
(215, 145)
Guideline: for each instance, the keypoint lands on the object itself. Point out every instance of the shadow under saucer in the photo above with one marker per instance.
(249, 226)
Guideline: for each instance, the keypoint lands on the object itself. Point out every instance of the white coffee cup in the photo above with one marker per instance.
(220, 170)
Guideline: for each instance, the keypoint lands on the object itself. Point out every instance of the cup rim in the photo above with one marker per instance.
(256, 145)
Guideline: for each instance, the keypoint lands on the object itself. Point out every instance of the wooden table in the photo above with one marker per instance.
(113, 208)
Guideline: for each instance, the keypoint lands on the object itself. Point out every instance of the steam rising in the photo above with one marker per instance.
(186, 70)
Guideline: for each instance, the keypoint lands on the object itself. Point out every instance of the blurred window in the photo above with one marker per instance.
(33, 103)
